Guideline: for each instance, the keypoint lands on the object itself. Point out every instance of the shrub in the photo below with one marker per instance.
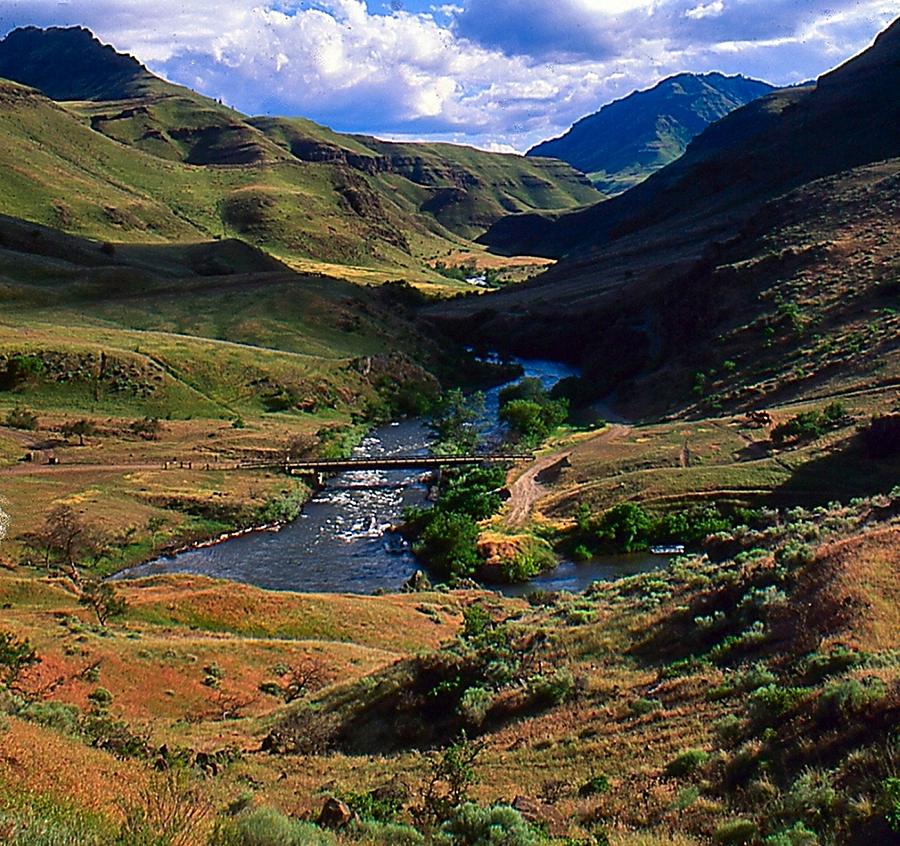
(475, 704)
(798, 835)
(582, 553)
(15, 657)
(40, 820)
(626, 525)
(594, 786)
(819, 665)
(268, 827)
(809, 425)
(532, 558)
(448, 544)
(686, 763)
(388, 834)
(728, 728)
(476, 621)
(770, 703)
(812, 798)
(374, 806)
(100, 698)
(149, 428)
(498, 825)
(890, 789)
(54, 715)
(553, 689)
(736, 833)
(642, 706)
(744, 681)
(849, 697)
(22, 418)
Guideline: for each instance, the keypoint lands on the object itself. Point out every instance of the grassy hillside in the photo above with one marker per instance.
(238, 357)
(154, 161)
(739, 700)
(758, 267)
(626, 141)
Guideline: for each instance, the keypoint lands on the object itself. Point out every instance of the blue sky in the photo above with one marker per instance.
(499, 74)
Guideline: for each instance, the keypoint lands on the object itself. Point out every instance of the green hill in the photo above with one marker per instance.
(631, 138)
(119, 160)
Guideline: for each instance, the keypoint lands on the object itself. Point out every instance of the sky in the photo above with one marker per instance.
(498, 74)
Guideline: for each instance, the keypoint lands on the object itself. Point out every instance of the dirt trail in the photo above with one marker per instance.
(29, 469)
(528, 488)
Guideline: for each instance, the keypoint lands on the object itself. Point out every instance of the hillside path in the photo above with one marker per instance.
(528, 488)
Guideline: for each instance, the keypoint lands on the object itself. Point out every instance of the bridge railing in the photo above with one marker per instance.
(388, 462)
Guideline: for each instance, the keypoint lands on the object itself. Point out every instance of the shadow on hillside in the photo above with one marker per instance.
(838, 475)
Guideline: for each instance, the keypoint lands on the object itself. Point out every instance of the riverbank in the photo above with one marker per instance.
(342, 540)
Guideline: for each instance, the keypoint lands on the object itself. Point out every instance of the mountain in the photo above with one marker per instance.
(631, 138)
(134, 157)
(765, 246)
(71, 64)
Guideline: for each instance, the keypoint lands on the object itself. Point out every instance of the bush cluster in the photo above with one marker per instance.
(809, 425)
(445, 536)
(530, 412)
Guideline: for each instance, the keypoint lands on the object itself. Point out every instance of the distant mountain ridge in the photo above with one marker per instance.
(629, 139)
(770, 245)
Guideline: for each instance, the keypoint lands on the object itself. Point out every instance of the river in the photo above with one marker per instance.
(342, 541)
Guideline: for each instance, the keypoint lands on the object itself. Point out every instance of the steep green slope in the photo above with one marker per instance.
(631, 138)
(59, 172)
(292, 186)
(213, 329)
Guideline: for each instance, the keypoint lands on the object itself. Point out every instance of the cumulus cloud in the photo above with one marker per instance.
(708, 10)
(501, 73)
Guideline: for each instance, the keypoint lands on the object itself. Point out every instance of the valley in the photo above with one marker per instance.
(701, 356)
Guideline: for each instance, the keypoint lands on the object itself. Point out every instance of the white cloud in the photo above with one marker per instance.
(491, 72)
(710, 10)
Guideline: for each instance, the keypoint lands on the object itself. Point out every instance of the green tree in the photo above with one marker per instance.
(103, 599)
(453, 421)
(451, 776)
(80, 429)
(626, 525)
(529, 388)
(448, 543)
(15, 657)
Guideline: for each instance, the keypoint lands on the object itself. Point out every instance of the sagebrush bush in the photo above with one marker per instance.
(736, 833)
(53, 715)
(268, 827)
(498, 825)
(770, 703)
(475, 704)
(552, 689)
(812, 798)
(820, 665)
(686, 763)
(386, 834)
(798, 835)
(849, 697)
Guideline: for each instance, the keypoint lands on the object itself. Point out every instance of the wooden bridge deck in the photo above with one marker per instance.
(392, 462)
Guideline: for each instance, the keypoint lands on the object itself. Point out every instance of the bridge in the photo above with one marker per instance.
(325, 466)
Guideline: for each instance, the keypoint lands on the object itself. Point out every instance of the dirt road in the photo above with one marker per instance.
(528, 488)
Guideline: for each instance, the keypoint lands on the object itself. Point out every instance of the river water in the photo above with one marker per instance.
(342, 541)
